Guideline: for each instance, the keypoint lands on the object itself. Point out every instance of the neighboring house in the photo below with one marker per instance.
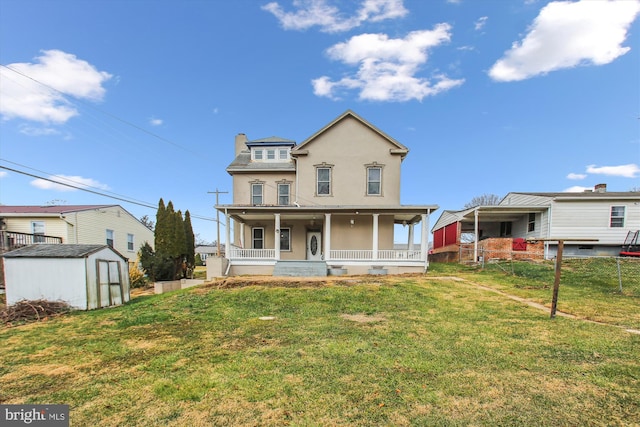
(331, 202)
(83, 276)
(207, 251)
(601, 215)
(85, 224)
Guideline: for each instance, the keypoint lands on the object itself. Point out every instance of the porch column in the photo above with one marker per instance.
(327, 237)
(242, 235)
(375, 236)
(227, 242)
(277, 236)
(424, 237)
(475, 230)
(410, 242)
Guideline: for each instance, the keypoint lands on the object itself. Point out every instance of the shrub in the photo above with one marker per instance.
(137, 278)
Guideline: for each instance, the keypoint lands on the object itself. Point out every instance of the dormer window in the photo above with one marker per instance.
(270, 155)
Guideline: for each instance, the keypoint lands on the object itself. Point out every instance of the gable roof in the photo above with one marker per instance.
(56, 251)
(398, 148)
(597, 195)
(56, 209)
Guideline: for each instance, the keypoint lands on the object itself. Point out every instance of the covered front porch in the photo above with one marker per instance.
(347, 239)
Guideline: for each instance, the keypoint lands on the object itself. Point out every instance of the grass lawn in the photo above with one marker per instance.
(390, 351)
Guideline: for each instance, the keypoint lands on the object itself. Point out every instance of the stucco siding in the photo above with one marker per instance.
(242, 187)
(348, 148)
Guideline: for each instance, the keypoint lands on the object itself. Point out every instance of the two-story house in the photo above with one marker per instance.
(330, 203)
(80, 224)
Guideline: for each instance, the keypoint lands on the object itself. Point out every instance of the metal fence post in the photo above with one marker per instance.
(619, 274)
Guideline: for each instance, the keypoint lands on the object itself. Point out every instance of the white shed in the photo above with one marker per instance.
(83, 276)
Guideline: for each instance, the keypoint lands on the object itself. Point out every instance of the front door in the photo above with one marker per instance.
(314, 246)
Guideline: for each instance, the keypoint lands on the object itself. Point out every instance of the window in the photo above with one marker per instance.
(617, 216)
(532, 222)
(37, 229)
(130, 245)
(285, 239)
(271, 154)
(374, 180)
(257, 154)
(323, 180)
(257, 238)
(283, 194)
(283, 154)
(256, 194)
(110, 238)
(505, 228)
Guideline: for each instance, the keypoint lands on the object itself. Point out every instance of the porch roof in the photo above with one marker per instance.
(401, 213)
(486, 214)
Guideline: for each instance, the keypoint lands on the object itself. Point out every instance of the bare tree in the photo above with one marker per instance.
(484, 200)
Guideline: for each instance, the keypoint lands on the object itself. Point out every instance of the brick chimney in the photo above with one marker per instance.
(241, 143)
(600, 188)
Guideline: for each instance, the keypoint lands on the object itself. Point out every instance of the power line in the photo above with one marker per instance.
(168, 141)
(66, 184)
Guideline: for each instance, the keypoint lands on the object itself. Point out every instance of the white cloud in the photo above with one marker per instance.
(38, 131)
(310, 13)
(626, 171)
(3, 174)
(568, 34)
(480, 23)
(39, 91)
(576, 176)
(155, 122)
(75, 181)
(387, 67)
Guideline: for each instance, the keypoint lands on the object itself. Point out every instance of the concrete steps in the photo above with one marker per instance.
(300, 268)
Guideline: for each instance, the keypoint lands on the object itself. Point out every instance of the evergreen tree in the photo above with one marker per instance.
(191, 240)
(160, 233)
(180, 244)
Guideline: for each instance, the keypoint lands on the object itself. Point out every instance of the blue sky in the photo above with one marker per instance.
(142, 99)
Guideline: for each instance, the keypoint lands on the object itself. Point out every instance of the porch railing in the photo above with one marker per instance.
(367, 255)
(236, 252)
(12, 239)
(334, 255)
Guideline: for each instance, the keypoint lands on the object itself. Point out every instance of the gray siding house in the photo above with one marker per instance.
(605, 216)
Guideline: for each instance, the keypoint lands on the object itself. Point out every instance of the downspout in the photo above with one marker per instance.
(546, 244)
(295, 160)
(426, 241)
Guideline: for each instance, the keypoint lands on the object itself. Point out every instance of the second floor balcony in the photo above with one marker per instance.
(10, 240)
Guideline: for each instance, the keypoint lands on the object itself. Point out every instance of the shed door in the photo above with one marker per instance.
(110, 290)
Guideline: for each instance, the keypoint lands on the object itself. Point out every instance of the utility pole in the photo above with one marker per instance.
(217, 193)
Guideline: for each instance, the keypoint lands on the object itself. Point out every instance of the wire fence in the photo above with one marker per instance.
(619, 274)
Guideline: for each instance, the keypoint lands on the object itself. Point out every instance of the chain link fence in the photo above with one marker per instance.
(621, 274)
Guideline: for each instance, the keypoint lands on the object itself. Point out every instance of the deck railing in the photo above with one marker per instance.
(10, 240)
